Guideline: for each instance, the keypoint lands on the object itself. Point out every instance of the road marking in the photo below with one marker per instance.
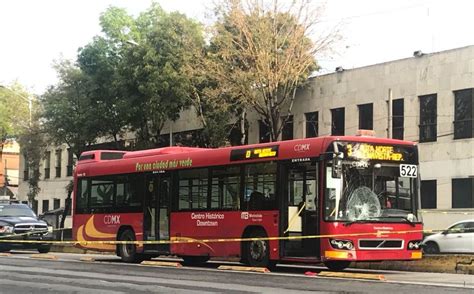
(352, 275)
(87, 259)
(44, 256)
(161, 263)
(244, 268)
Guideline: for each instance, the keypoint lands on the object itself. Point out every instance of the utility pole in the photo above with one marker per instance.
(389, 114)
(6, 179)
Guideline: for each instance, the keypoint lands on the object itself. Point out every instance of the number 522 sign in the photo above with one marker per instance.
(408, 170)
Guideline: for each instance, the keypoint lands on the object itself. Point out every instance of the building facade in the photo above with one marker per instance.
(9, 164)
(427, 98)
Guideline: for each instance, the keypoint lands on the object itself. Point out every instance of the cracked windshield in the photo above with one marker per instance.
(359, 188)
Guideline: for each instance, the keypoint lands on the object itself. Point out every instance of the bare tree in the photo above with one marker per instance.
(261, 52)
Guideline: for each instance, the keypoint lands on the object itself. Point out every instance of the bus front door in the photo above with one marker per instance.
(156, 212)
(299, 210)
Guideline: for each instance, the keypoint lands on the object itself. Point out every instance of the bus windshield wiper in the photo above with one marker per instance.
(358, 221)
(397, 216)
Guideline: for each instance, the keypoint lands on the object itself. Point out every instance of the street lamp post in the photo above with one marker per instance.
(27, 99)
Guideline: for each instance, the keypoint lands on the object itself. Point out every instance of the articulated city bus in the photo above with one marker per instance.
(332, 199)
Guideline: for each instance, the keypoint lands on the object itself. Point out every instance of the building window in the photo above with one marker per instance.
(337, 123)
(47, 164)
(462, 193)
(397, 119)
(366, 116)
(264, 132)
(26, 170)
(287, 130)
(428, 194)
(56, 203)
(45, 206)
(311, 124)
(428, 117)
(58, 163)
(70, 162)
(463, 114)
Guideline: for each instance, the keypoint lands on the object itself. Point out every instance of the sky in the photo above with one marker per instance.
(34, 33)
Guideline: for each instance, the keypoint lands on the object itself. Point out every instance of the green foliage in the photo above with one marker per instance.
(71, 113)
(144, 61)
(33, 145)
(14, 113)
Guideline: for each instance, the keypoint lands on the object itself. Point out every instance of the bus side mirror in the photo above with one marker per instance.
(336, 167)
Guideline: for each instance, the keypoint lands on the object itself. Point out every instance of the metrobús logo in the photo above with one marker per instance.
(302, 147)
(208, 219)
(111, 219)
(255, 217)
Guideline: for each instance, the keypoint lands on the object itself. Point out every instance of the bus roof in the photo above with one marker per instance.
(102, 162)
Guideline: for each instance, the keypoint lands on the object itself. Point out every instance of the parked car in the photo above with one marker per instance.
(19, 222)
(458, 238)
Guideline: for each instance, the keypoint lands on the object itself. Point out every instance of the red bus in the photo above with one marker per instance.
(327, 199)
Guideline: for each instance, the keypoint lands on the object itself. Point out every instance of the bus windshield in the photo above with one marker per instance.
(369, 192)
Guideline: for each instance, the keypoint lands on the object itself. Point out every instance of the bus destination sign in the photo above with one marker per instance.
(374, 152)
(254, 153)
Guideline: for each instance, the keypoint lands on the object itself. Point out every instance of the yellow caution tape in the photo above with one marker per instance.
(187, 240)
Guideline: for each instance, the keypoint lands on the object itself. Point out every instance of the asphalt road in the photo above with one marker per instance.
(67, 274)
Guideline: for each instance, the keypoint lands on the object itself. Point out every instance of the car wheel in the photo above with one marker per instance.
(4, 248)
(44, 249)
(337, 265)
(431, 248)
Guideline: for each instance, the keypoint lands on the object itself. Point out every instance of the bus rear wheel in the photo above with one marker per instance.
(256, 252)
(337, 265)
(128, 251)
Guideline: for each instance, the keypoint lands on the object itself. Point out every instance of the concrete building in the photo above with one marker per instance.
(427, 98)
(9, 168)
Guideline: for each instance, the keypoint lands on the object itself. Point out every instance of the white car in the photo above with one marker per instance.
(458, 238)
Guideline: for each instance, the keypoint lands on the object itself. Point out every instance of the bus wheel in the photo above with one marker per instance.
(337, 265)
(194, 260)
(256, 252)
(128, 252)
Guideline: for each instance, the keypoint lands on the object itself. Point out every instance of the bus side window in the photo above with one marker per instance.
(83, 195)
(225, 188)
(260, 186)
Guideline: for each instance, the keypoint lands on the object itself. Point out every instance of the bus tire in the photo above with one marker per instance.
(194, 260)
(337, 265)
(256, 253)
(128, 252)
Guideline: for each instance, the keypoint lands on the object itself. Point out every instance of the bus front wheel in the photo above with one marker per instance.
(337, 265)
(128, 251)
(256, 252)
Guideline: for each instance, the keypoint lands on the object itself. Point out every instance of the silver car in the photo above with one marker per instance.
(458, 238)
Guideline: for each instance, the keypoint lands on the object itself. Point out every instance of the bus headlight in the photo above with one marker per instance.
(341, 244)
(414, 245)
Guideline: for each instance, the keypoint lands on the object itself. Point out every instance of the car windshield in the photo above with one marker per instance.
(368, 192)
(16, 210)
